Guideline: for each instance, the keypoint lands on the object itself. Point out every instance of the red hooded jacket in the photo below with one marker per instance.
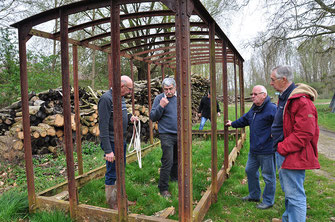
(301, 130)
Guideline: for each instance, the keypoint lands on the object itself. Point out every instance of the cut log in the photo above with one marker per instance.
(18, 145)
(54, 120)
(94, 130)
(59, 133)
(35, 134)
(20, 135)
(40, 130)
(11, 149)
(84, 130)
(32, 111)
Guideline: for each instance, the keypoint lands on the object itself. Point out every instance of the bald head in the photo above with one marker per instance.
(261, 89)
(258, 95)
(126, 80)
(126, 85)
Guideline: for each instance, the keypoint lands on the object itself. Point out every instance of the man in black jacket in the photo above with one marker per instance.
(205, 109)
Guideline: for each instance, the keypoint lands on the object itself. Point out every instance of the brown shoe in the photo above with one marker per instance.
(166, 194)
(276, 220)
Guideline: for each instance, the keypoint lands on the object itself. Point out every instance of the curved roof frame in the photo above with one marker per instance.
(182, 44)
(77, 7)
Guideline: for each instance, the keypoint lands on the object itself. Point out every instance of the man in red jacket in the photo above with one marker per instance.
(295, 134)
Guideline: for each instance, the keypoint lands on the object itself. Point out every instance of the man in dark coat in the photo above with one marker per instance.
(261, 154)
(106, 127)
(204, 110)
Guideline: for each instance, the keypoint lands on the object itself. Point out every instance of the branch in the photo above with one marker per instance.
(325, 7)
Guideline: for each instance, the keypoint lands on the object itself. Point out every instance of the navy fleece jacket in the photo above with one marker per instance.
(260, 119)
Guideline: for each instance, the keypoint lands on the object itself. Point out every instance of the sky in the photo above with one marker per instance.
(245, 25)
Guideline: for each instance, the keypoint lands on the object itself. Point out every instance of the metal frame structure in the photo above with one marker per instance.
(186, 43)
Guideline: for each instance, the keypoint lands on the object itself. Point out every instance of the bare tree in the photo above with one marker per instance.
(300, 19)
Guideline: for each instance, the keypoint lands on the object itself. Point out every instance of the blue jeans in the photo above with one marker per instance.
(292, 183)
(169, 168)
(268, 169)
(110, 175)
(202, 123)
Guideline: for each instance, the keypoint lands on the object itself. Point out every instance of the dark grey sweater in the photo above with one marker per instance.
(106, 126)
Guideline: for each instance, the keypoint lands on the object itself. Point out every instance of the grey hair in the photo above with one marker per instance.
(168, 82)
(281, 71)
(263, 89)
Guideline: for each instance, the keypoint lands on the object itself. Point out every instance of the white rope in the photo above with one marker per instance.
(136, 142)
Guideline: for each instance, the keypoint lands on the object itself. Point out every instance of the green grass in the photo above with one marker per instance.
(320, 193)
(327, 165)
(141, 185)
(50, 170)
(318, 101)
(52, 216)
(326, 118)
(13, 205)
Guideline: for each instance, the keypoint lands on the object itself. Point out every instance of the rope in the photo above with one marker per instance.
(136, 142)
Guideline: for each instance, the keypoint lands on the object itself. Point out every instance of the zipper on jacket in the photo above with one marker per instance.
(253, 118)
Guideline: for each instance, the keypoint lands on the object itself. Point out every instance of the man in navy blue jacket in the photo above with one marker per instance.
(261, 154)
(164, 110)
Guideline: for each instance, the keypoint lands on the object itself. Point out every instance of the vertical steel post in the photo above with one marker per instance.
(149, 103)
(163, 71)
(184, 10)
(225, 102)
(212, 64)
(67, 112)
(23, 38)
(110, 70)
(76, 109)
(236, 98)
(241, 78)
(117, 111)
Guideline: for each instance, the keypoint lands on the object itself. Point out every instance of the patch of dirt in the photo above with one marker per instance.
(326, 147)
(326, 143)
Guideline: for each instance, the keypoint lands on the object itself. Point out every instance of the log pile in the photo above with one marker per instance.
(46, 123)
(47, 120)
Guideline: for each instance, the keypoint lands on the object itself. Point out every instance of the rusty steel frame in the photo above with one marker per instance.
(216, 48)
(76, 108)
(212, 64)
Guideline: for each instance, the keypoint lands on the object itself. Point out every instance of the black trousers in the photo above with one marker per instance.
(169, 168)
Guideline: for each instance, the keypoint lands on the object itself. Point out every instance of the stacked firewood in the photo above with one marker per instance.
(46, 123)
(47, 120)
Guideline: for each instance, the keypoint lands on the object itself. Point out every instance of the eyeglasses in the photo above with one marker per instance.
(255, 94)
(274, 80)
